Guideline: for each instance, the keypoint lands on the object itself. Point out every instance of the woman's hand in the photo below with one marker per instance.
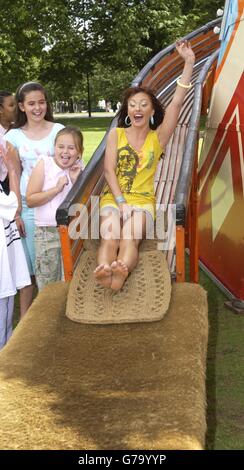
(185, 51)
(125, 211)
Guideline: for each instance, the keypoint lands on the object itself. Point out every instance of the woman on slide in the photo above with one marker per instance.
(132, 154)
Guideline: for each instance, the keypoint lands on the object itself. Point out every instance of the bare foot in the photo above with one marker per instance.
(103, 275)
(119, 274)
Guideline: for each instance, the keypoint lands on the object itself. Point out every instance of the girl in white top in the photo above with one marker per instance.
(50, 182)
(33, 135)
(14, 270)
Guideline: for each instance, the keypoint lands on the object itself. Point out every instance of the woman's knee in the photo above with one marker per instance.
(135, 227)
(110, 227)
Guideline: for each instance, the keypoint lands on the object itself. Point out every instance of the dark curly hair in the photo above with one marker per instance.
(4, 94)
(157, 106)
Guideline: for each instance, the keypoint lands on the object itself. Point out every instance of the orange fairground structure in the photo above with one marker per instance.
(221, 166)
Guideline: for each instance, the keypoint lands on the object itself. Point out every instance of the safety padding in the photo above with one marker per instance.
(145, 295)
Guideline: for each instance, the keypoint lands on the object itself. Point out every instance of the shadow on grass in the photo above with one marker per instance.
(213, 294)
(211, 363)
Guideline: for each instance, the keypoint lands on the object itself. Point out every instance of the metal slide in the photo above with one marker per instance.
(175, 174)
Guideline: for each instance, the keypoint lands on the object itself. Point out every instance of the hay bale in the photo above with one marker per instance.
(66, 385)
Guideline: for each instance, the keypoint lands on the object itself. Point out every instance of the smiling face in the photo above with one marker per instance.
(66, 151)
(34, 105)
(140, 109)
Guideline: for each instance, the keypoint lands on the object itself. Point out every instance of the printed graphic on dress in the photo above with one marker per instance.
(150, 160)
(127, 164)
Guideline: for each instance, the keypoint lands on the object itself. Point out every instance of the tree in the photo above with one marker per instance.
(67, 44)
(107, 41)
(25, 29)
(199, 12)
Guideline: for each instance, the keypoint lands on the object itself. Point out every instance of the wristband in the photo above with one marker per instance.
(120, 199)
(182, 84)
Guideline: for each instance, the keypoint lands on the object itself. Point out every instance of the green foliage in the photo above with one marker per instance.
(25, 28)
(109, 82)
(61, 42)
(199, 12)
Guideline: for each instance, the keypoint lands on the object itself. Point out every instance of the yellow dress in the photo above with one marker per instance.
(135, 172)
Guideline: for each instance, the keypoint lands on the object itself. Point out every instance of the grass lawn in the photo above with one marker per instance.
(225, 373)
(225, 362)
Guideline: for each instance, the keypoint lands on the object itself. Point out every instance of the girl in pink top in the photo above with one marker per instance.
(49, 184)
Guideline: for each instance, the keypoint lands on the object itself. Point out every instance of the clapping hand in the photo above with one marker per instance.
(5, 153)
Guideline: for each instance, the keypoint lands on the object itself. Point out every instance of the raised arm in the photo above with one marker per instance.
(166, 129)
